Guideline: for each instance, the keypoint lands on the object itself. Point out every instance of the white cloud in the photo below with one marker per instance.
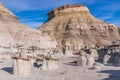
(33, 24)
(105, 16)
(116, 23)
(22, 5)
(29, 19)
(17, 5)
(111, 7)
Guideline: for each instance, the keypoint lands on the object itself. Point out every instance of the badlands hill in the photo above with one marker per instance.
(13, 33)
(75, 26)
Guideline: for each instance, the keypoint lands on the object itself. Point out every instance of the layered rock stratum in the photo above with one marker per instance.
(13, 33)
(76, 27)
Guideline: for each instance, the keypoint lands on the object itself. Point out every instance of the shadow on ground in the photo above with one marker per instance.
(8, 69)
(37, 65)
(71, 63)
(113, 74)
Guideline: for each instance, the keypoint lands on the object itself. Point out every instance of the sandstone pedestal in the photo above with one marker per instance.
(94, 53)
(106, 58)
(21, 67)
(85, 59)
(49, 64)
(82, 61)
(90, 60)
(68, 51)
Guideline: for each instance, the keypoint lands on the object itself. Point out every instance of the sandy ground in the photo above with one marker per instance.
(66, 71)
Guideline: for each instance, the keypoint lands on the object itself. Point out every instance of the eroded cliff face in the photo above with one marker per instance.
(73, 25)
(13, 33)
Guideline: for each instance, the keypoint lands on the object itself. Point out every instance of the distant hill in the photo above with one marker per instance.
(75, 26)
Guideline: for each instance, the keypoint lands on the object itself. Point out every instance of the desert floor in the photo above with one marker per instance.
(66, 71)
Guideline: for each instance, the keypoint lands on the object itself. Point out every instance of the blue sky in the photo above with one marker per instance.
(34, 12)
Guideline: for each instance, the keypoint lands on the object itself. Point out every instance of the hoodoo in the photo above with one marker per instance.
(75, 26)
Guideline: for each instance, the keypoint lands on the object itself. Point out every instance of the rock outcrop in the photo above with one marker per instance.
(110, 54)
(49, 63)
(13, 34)
(74, 25)
(85, 59)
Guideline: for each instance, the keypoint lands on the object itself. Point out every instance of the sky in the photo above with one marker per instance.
(34, 12)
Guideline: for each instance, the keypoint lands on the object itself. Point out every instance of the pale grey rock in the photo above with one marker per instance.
(21, 67)
(90, 60)
(82, 61)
